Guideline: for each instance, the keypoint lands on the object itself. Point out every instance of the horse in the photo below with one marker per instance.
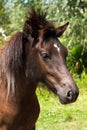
(33, 55)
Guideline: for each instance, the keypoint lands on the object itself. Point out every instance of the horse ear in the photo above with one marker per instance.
(60, 30)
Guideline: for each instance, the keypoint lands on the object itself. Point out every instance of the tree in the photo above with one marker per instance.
(77, 45)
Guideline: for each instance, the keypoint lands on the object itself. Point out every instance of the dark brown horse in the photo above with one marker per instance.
(31, 56)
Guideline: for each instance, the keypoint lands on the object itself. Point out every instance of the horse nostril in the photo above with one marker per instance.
(70, 94)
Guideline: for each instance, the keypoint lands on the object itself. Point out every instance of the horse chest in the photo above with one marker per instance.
(19, 115)
(7, 112)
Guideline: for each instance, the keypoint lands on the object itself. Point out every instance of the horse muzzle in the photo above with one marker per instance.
(68, 95)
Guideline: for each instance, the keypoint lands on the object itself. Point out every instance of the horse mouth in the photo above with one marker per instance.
(67, 101)
(61, 95)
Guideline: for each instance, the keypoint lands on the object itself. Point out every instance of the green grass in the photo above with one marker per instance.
(55, 116)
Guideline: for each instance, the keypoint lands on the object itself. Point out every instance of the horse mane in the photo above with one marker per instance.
(11, 61)
(36, 23)
(12, 53)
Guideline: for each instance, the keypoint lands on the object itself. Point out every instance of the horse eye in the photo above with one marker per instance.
(45, 55)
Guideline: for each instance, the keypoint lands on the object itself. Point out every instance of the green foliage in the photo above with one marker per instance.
(3, 15)
(77, 36)
(77, 59)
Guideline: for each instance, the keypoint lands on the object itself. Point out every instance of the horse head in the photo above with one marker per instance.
(46, 57)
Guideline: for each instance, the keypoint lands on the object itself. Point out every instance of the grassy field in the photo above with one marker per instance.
(55, 116)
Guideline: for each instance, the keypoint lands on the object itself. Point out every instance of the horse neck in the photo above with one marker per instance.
(26, 84)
